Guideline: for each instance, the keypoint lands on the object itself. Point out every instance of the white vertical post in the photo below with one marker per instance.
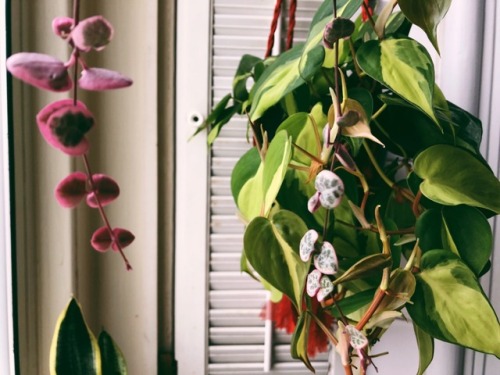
(6, 321)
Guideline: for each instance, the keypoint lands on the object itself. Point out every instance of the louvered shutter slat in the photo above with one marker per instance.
(238, 337)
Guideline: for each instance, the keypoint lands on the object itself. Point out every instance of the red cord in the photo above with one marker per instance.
(274, 25)
(291, 23)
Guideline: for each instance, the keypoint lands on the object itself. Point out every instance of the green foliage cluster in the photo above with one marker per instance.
(411, 231)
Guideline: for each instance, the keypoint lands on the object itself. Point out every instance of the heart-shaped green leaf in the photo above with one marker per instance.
(255, 183)
(466, 232)
(426, 14)
(74, 348)
(404, 66)
(450, 305)
(272, 248)
(453, 176)
(243, 73)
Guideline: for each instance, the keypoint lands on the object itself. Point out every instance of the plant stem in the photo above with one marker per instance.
(415, 204)
(371, 310)
(381, 173)
(103, 214)
(370, 18)
(76, 53)
(348, 370)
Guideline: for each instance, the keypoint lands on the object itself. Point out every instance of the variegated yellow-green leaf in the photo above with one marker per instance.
(404, 66)
(284, 74)
(256, 183)
(272, 246)
(113, 361)
(275, 166)
(453, 176)
(74, 349)
(298, 345)
(450, 305)
(426, 14)
(425, 344)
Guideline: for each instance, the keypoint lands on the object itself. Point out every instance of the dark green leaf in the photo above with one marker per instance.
(453, 176)
(425, 344)
(244, 71)
(352, 303)
(74, 349)
(113, 362)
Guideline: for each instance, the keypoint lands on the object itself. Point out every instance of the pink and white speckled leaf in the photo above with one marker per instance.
(326, 261)
(313, 283)
(356, 338)
(92, 33)
(98, 79)
(307, 244)
(107, 190)
(330, 187)
(71, 190)
(64, 125)
(39, 70)
(313, 203)
(325, 289)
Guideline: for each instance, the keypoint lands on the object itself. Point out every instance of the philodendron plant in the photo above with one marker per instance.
(365, 196)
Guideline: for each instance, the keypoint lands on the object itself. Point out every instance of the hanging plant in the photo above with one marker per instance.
(365, 195)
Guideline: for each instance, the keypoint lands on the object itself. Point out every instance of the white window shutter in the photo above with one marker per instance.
(239, 341)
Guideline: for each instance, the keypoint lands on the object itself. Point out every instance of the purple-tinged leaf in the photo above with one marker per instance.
(71, 190)
(326, 287)
(101, 239)
(313, 203)
(98, 79)
(92, 33)
(64, 125)
(107, 190)
(330, 187)
(356, 338)
(123, 237)
(42, 71)
(61, 26)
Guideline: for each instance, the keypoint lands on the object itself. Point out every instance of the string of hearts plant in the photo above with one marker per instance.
(365, 193)
(64, 125)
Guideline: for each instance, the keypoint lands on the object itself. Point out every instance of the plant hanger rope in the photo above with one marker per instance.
(274, 25)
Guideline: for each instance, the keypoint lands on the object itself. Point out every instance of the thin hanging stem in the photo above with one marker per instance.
(103, 214)
(76, 18)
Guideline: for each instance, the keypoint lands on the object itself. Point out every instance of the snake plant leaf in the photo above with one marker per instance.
(425, 344)
(272, 248)
(113, 361)
(404, 66)
(285, 74)
(453, 176)
(450, 305)
(426, 14)
(298, 347)
(466, 232)
(256, 183)
(74, 349)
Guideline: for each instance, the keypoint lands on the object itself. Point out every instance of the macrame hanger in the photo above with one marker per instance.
(274, 25)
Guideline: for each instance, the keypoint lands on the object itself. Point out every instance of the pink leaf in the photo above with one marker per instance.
(101, 239)
(93, 32)
(61, 26)
(123, 237)
(70, 191)
(64, 125)
(107, 190)
(42, 71)
(97, 79)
